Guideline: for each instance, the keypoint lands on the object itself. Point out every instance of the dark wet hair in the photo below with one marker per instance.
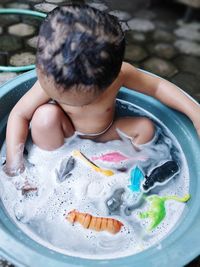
(80, 45)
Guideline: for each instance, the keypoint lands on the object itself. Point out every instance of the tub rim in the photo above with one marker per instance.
(8, 240)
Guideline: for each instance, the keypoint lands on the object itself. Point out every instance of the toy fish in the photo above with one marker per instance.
(115, 201)
(117, 157)
(136, 179)
(111, 157)
(77, 153)
(161, 175)
(65, 169)
(157, 211)
(88, 221)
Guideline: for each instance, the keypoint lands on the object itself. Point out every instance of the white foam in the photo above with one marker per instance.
(42, 215)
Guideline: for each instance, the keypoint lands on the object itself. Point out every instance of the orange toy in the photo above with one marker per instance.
(113, 226)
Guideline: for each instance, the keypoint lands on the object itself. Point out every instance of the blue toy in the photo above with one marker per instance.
(136, 179)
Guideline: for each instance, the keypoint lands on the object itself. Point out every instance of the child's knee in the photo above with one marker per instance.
(142, 130)
(146, 130)
(46, 117)
(148, 126)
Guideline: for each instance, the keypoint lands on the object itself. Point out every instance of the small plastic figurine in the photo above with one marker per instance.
(65, 169)
(117, 157)
(157, 211)
(77, 153)
(136, 178)
(111, 157)
(88, 221)
(161, 175)
(115, 201)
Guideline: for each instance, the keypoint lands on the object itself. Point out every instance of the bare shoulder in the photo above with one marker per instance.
(127, 69)
(138, 80)
(34, 98)
(130, 75)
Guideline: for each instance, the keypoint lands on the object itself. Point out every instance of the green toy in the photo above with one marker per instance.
(157, 211)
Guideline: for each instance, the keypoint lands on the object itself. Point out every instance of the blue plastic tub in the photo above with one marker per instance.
(179, 248)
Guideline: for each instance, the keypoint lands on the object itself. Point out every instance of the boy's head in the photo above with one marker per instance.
(80, 49)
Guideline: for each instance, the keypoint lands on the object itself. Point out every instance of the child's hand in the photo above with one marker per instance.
(13, 171)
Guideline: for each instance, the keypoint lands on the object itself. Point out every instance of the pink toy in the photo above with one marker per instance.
(117, 157)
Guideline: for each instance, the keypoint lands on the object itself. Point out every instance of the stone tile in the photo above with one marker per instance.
(163, 50)
(34, 1)
(18, 5)
(100, 6)
(135, 53)
(2, 59)
(163, 36)
(145, 14)
(188, 82)
(141, 25)
(191, 3)
(21, 29)
(139, 37)
(10, 43)
(131, 6)
(33, 21)
(5, 1)
(188, 64)
(57, 1)
(135, 37)
(189, 31)
(22, 59)
(4, 77)
(6, 20)
(32, 42)
(1, 30)
(188, 47)
(121, 15)
(45, 7)
(160, 67)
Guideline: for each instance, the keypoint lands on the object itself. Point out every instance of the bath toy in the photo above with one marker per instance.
(157, 211)
(88, 221)
(117, 157)
(65, 169)
(161, 175)
(77, 153)
(115, 201)
(136, 178)
(111, 157)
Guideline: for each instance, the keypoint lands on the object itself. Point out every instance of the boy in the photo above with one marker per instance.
(79, 67)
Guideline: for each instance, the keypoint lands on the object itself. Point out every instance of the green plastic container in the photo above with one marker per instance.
(179, 248)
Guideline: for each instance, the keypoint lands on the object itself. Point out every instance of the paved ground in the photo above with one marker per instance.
(157, 40)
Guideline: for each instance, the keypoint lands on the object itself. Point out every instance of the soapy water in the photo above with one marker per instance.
(41, 213)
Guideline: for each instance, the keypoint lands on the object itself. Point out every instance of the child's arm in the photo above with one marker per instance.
(18, 125)
(162, 90)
